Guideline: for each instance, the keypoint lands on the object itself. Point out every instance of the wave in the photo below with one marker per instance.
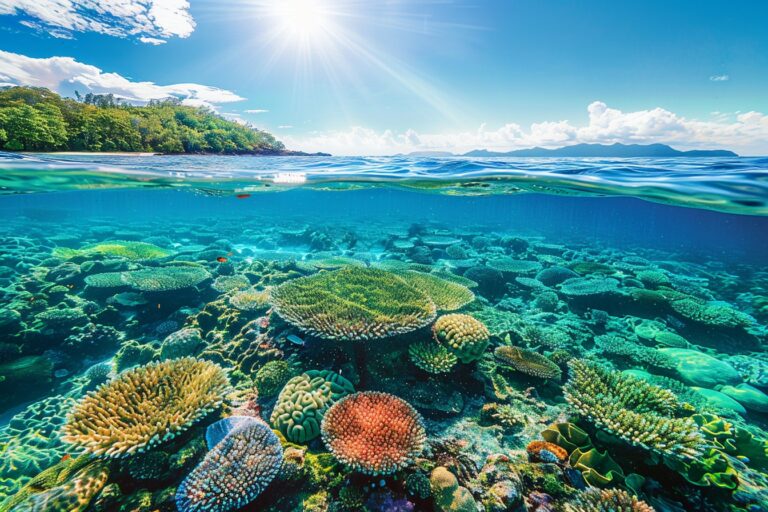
(732, 184)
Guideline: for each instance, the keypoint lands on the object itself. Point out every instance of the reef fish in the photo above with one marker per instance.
(295, 340)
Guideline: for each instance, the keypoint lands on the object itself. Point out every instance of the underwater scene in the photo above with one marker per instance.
(383, 334)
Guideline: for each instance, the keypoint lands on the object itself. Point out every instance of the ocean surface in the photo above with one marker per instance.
(384, 334)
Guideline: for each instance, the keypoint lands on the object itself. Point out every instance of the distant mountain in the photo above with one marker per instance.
(602, 150)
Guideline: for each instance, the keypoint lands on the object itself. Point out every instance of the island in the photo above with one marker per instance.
(616, 150)
(37, 119)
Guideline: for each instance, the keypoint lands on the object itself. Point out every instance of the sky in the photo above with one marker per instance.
(394, 76)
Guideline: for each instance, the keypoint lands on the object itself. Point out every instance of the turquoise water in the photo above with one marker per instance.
(156, 309)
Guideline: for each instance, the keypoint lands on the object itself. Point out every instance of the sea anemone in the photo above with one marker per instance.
(373, 433)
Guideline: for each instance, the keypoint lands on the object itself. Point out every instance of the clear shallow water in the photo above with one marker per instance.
(653, 269)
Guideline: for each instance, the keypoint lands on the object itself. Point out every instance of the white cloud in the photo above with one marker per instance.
(66, 75)
(745, 133)
(256, 111)
(152, 40)
(285, 126)
(719, 78)
(153, 19)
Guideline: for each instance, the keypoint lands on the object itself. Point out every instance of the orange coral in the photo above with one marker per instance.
(373, 433)
(535, 448)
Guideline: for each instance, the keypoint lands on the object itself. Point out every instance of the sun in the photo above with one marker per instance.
(302, 19)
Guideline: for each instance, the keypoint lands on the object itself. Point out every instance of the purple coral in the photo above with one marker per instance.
(236, 470)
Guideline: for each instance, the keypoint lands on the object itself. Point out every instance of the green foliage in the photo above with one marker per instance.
(36, 119)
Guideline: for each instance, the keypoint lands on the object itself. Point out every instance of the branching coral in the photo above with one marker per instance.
(303, 402)
(145, 406)
(630, 408)
(432, 357)
(607, 500)
(464, 335)
(620, 346)
(236, 470)
(528, 362)
(713, 314)
(373, 433)
(353, 303)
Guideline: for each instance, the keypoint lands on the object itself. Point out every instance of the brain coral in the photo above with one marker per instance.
(303, 402)
(353, 303)
(432, 357)
(145, 406)
(631, 409)
(464, 335)
(606, 500)
(236, 470)
(528, 362)
(447, 295)
(373, 433)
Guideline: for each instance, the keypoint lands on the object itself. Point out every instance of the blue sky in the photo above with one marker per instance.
(355, 76)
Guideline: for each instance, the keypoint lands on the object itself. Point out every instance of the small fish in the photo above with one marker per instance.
(65, 457)
(295, 340)
(243, 196)
(221, 259)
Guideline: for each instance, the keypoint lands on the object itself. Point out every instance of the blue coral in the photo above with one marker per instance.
(238, 468)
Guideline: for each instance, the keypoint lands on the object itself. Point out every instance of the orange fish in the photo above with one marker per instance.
(243, 196)
(65, 457)
(221, 259)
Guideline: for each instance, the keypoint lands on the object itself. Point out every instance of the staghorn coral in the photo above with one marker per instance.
(373, 433)
(606, 500)
(145, 406)
(236, 470)
(303, 402)
(528, 362)
(432, 357)
(630, 408)
(353, 303)
(447, 295)
(464, 335)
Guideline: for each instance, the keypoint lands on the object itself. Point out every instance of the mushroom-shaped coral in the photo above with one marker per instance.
(447, 295)
(432, 357)
(607, 500)
(237, 469)
(528, 362)
(303, 402)
(373, 433)
(354, 303)
(464, 335)
(145, 406)
(165, 279)
(127, 249)
(631, 409)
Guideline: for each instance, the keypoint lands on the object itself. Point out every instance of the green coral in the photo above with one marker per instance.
(353, 303)
(271, 377)
(165, 279)
(224, 284)
(447, 295)
(606, 500)
(448, 495)
(638, 412)
(464, 335)
(712, 314)
(616, 345)
(508, 265)
(303, 402)
(126, 249)
(432, 357)
(597, 468)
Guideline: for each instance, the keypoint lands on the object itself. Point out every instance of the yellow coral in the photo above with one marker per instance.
(464, 335)
(146, 406)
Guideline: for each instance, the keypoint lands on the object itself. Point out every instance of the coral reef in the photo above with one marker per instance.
(432, 357)
(607, 500)
(373, 433)
(464, 335)
(145, 406)
(528, 362)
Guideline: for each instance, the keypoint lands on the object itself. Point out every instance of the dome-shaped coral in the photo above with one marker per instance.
(464, 335)
(145, 406)
(303, 402)
(353, 303)
(528, 362)
(432, 357)
(373, 433)
(607, 500)
(236, 470)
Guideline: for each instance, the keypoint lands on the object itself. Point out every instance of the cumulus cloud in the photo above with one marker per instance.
(746, 133)
(719, 78)
(148, 20)
(66, 75)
